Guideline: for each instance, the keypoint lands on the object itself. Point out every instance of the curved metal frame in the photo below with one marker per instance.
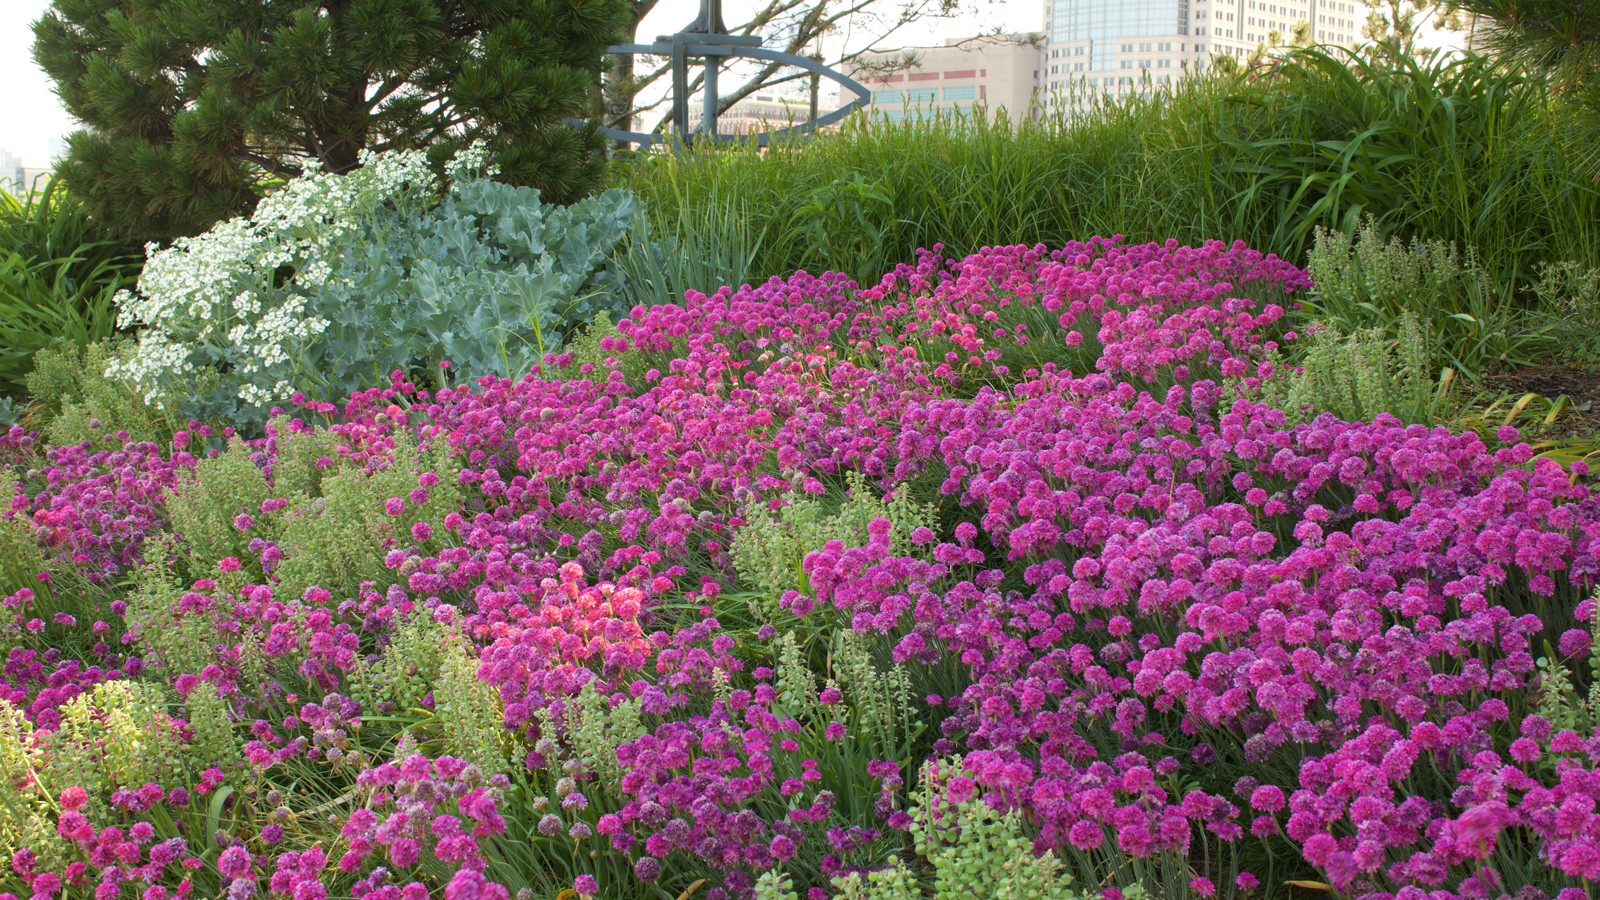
(713, 48)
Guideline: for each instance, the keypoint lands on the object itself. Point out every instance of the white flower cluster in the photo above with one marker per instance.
(235, 295)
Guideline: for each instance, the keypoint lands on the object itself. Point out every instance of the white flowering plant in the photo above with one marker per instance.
(337, 280)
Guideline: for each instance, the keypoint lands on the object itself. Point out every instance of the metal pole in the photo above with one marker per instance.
(708, 119)
(680, 86)
(712, 10)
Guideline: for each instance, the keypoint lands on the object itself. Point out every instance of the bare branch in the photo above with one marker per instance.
(794, 26)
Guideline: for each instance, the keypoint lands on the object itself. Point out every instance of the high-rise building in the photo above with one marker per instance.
(994, 72)
(1118, 46)
(17, 178)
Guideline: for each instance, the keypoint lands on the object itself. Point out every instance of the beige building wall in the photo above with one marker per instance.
(992, 72)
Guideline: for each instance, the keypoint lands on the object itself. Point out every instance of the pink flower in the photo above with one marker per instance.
(1477, 827)
(234, 862)
(1267, 798)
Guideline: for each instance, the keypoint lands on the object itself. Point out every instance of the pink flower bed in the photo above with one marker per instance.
(1163, 624)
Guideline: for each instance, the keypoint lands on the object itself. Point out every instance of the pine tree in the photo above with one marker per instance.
(1556, 38)
(194, 106)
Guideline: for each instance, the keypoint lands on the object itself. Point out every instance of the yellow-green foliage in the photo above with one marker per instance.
(336, 538)
(26, 810)
(302, 459)
(214, 742)
(895, 882)
(585, 350)
(1389, 274)
(21, 560)
(468, 711)
(203, 507)
(334, 529)
(1367, 282)
(879, 697)
(971, 849)
(118, 735)
(181, 643)
(1571, 292)
(795, 683)
(976, 851)
(775, 885)
(68, 385)
(1559, 700)
(595, 729)
(1357, 376)
(405, 671)
(771, 546)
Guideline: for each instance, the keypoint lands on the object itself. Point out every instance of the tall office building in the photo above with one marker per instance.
(1118, 46)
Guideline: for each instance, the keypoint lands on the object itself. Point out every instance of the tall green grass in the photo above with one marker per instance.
(1435, 149)
(58, 274)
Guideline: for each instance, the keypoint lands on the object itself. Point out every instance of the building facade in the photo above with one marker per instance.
(17, 178)
(1117, 46)
(992, 72)
(771, 111)
(1095, 47)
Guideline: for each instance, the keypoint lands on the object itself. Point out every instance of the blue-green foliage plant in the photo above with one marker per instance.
(336, 281)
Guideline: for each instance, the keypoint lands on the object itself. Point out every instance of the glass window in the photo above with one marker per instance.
(965, 92)
(906, 98)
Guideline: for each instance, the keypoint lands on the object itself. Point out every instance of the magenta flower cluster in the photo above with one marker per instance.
(1154, 618)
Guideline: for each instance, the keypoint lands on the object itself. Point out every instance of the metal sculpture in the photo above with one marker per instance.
(707, 39)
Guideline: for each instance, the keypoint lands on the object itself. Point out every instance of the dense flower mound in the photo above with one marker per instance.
(707, 596)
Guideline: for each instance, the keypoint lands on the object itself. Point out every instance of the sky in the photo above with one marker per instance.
(33, 115)
(34, 118)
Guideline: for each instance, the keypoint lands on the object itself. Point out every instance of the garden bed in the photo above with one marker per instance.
(769, 590)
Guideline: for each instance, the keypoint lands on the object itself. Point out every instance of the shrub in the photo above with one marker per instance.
(339, 280)
(74, 400)
(1571, 294)
(1361, 282)
(975, 849)
(1359, 376)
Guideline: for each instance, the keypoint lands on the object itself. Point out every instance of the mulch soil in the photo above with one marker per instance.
(1581, 387)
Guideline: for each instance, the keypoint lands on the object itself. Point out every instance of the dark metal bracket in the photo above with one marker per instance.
(705, 40)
